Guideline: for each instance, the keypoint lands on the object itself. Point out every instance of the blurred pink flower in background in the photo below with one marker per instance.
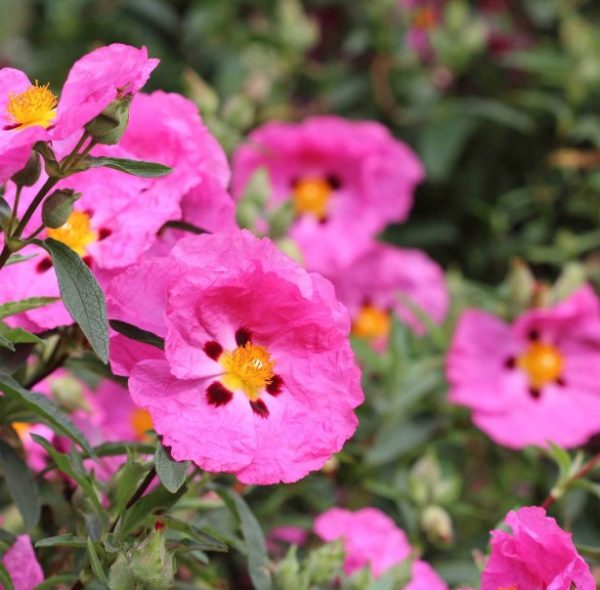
(346, 180)
(257, 377)
(372, 539)
(374, 286)
(536, 555)
(22, 565)
(535, 381)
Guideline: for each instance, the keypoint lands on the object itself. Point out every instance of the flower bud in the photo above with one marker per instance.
(151, 564)
(110, 125)
(69, 393)
(281, 219)
(58, 207)
(120, 576)
(437, 524)
(29, 175)
(325, 563)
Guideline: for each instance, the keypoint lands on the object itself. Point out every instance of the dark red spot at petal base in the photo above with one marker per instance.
(334, 181)
(274, 388)
(213, 349)
(218, 395)
(243, 336)
(510, 362)
(561, 382)
(88, 260)
(535, 393)
(533, 335)
(260, 408)
(43, 265)
(104, 233)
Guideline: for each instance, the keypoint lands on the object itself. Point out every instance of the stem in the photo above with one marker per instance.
(141, 490)
(15, 208)
(585, 470)
(68, 160)
(35, 233)
(84, 153)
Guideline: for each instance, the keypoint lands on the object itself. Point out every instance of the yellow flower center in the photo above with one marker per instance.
(35, 106)
(543, 364)
(248, 368)
(311, 197)
(141, 422)
(22, 429)
(372, 322)
(76, 233)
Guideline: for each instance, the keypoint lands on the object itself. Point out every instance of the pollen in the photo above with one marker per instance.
(36, 106)
(311, 196)
(248, 368)
(21, 428)
(76, 233)
(372, 322)
(543, 364)
(141, 422)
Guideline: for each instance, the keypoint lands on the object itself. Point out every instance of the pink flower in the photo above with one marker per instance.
(372, 539)
(22, 565)
(376, 282)
(31, 112)
(423, 16)
(346, 179)
(252, 343)
(535, 381)
(167, 128)
(538, 555)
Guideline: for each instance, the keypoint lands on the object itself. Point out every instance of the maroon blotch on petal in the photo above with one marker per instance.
(260, 408)
(274, 388)
(43, 265)
(243, 336)
(213, 349)
(217, 394)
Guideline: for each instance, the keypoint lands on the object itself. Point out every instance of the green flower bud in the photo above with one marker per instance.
(437, 524)
(29, 175)
(68, 392)
(325, 563)
(58, 207)
(120, 576)
(110, 125)
(281, 219)
(287, 573)
(291, 248)
(151, 564)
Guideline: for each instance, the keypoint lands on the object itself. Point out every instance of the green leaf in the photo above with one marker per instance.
(16, 258)
(137, 334)
(18, 335)
(21, 485)
(81, 295)
(66, 464)
(6, 343)
(68, 540)
(14, 307)
(171, 473)
(5, 578)
(205, 540)
(256, 548)
(134, 167)
(43, 407)
(128, 479)
(159, 499)
(96, 564)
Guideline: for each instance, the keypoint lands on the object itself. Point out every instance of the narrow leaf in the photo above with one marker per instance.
(96, 564)
(137, 334)
(14, 307)
(44, 408)
(21, 485)
(6, 343)
(134, 167)
(5, 579)
(258, 563)
(18, 335)
(81, 295)
(55, 581)
(68, 540)
(171, 473)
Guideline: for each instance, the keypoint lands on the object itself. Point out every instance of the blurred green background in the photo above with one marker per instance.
(500, 101)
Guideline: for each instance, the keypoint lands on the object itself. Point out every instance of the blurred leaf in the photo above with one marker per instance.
(67, 540)
(41, 406)
(96, 564)
(258, 563)
(137, 334)
(133, 167)
(5, 578)
(14, 307)
(21, 485)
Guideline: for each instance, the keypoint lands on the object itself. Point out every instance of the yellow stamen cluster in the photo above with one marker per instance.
(372, 322)
(543, 364)
(311, 197)
(76, 233)
(34, 106)
(248, 368)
